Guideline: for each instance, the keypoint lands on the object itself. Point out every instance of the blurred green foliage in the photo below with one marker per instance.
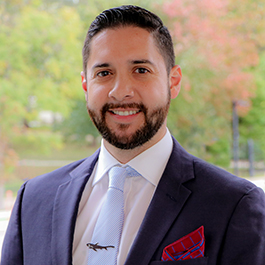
(78, 125)
(252, 126)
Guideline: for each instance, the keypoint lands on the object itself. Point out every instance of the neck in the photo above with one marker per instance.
(124, 156)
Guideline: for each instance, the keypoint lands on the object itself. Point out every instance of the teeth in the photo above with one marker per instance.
(125, 113)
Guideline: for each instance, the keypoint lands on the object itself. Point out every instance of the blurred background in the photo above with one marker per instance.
(218, 116)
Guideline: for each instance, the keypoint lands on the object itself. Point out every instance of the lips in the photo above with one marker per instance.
(125, 112)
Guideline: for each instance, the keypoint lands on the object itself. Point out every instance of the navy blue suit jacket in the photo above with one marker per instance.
(191, 193)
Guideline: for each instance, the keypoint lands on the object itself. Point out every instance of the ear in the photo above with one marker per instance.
(84, 84)
(175, 81)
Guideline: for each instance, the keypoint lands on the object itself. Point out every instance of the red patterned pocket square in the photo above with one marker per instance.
(190, 246)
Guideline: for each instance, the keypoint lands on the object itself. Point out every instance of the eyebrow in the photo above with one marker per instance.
(101, 65)
(144, 61)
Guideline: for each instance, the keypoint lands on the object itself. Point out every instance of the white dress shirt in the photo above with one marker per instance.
(138, 192)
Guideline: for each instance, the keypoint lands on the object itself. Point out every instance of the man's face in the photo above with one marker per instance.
(127, 87)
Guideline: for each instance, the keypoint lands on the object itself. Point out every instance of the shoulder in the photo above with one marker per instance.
(207, 177)
(217, 178)
(223, 194)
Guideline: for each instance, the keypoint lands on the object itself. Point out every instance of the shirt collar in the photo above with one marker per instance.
(150, 164)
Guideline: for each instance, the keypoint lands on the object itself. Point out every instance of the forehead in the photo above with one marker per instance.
(123, 31)
(123, 43)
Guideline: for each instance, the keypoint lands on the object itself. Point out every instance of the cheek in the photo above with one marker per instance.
(157, 94)
(96, 96)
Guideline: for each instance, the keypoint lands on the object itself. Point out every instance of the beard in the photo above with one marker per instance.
(152, 123)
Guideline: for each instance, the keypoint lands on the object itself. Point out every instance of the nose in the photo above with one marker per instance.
(122, 89)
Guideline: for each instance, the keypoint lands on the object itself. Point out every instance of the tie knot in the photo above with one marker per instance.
(118, 174)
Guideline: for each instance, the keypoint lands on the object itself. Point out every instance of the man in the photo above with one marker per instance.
(177, 208)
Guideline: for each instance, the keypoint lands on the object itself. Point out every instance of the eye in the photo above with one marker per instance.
(103, 73)
(141, 70)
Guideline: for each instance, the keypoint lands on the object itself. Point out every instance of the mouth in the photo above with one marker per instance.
(124, 112)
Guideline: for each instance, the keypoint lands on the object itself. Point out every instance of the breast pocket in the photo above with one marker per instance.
(200, 261)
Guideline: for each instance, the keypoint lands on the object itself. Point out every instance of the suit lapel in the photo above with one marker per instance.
(168, 200)
(66, 208)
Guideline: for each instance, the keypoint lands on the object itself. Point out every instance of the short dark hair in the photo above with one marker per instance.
(129, 15)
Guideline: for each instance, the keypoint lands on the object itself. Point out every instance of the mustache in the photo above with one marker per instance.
(108, 106)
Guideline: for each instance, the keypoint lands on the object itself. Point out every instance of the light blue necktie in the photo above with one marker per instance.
(104, 246)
